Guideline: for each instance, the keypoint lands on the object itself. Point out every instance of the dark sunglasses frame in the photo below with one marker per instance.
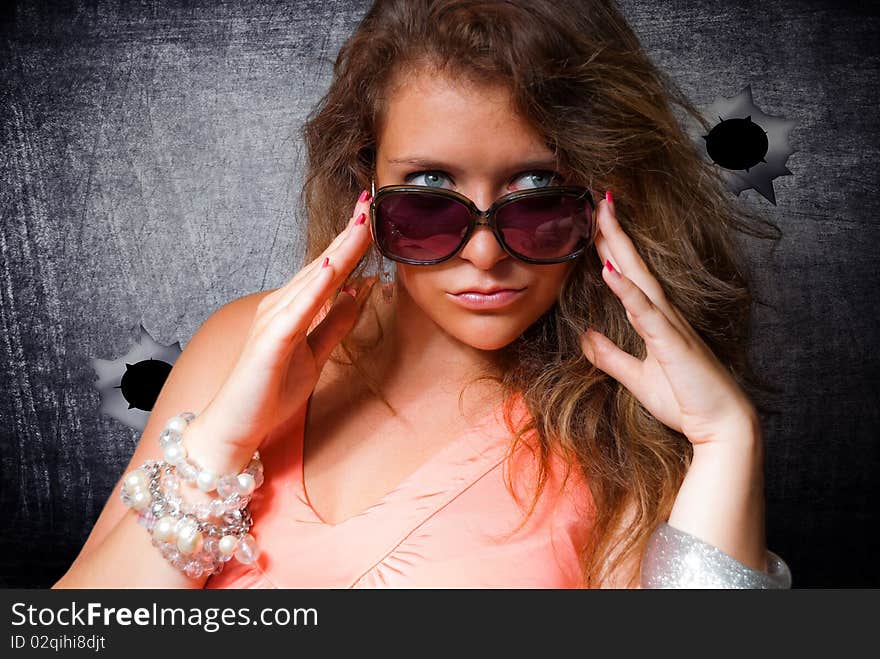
(485, 218)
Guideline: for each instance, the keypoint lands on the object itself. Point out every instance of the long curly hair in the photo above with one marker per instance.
(577, 73)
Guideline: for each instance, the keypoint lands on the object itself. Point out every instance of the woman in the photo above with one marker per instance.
(587, 427)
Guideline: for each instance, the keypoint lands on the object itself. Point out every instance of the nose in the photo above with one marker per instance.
(482, 248)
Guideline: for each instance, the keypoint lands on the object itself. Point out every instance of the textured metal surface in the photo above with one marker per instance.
(149, 172)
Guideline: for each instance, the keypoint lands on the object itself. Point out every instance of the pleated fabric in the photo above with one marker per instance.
(449, 524)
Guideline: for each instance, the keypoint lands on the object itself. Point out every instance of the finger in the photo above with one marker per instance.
(339, 320)
(622, 253)
(342, 253)
(283, 295)
(674, 315)
(604, 252)
(663, 339)
(360, 293)
(290, 324)
(605, 355)
(356, 225)
(315, 284)
(613, 244)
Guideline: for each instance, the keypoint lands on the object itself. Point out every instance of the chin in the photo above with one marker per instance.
(490, 347)
(483, 336)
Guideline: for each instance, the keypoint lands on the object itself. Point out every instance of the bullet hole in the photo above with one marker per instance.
(130, 385)
(142, 382)
(737, 144)
(749, 146)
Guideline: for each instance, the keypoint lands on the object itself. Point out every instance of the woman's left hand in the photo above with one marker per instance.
(681, 381)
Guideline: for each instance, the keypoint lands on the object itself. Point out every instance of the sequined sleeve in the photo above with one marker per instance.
(676, 559)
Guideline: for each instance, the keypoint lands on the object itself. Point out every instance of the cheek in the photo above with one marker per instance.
(421, 282)
(544, 295)
(548, 282)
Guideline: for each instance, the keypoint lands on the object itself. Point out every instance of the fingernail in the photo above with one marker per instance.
(365, 194)
(326, 262)
(361, 219)
(611, 268)
(608, 197)
(349, 290)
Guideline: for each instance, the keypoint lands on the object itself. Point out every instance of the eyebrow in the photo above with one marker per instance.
(432, 163)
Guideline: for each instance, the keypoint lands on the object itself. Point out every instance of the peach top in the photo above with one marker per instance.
(442, 526)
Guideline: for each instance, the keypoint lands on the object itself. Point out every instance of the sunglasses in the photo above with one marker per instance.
(421, 225)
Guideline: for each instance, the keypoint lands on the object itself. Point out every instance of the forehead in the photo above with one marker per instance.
(454, 120)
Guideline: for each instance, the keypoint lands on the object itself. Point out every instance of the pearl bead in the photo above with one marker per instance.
(130, 491)
(190, 543)
(185, 526)
(246, 484)
(165, 529)
(247, 551)
(176, 423)
(175, 452)
(140, 499)
(207, 481)
(228, 544)
(136, 480)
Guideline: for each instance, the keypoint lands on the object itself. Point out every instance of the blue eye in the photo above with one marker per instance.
(540, 179)
(534, 179)
(431, 178)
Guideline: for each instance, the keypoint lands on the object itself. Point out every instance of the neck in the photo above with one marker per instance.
(416, 357)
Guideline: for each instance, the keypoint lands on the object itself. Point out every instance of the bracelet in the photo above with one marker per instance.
(676, 559)
(185, 534)
(171, 441)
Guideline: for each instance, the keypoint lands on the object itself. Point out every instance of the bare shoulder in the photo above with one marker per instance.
(196, 376)
(240, 311)
(221, 337)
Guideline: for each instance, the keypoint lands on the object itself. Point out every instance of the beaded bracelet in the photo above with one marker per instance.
(184, 533)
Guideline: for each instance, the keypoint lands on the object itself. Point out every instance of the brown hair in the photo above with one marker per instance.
(577, 73)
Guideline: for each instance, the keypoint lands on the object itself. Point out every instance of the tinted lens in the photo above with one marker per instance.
(420, 227)
(547, 226)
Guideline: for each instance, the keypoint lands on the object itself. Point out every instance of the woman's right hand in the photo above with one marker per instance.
(280, 362)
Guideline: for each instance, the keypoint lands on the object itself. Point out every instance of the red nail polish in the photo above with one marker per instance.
(364, 195)
(326, 262)
(608, 197)
(609, 266)
(361, 219)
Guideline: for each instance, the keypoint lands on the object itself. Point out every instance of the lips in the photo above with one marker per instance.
(477, 301)
(487, 291)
